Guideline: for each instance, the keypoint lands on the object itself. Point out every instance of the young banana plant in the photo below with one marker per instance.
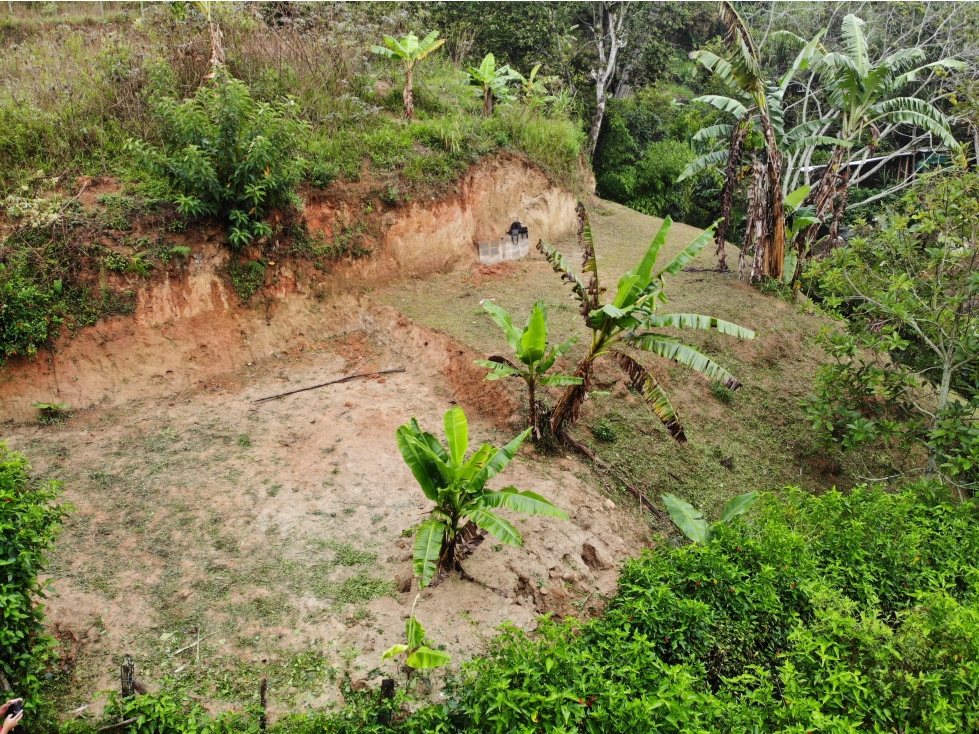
(691, 521)
(418, 656)
(530, 345)
(628, 322)
(457, 486)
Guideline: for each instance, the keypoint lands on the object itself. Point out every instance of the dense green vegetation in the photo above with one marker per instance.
(843, 613)
(29, 523)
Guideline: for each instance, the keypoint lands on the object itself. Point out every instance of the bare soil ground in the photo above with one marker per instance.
(276, 533)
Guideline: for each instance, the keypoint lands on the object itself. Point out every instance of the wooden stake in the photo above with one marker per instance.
(263, 690)
(128, 677)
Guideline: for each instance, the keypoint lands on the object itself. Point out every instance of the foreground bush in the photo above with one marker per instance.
(845, 613)
(29, 523)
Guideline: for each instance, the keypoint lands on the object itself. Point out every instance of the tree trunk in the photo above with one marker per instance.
(775, 252)
(487, 101)
(821, 199)
(839, 210)
(756, 230)
(727, 194)
(568, 408)
(609, 40)
(408, 96)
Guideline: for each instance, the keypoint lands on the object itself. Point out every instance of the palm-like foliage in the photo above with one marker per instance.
(866, 96)
(759, 128)
(410, 51)
(418, 655)
(457, 486)
(532, 86)
(629, 321)
(491, 81)
(530, 345)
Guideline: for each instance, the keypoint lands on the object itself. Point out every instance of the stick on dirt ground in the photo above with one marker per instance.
(332, 382)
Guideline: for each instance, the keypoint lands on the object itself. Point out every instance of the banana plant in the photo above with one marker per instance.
(532, 86)
(493, 81)
(865, 95)
(410, 51)
(457, 486)
(418, 656)
(628, 322)
(691, 521)
(530, 345)
(802, 217)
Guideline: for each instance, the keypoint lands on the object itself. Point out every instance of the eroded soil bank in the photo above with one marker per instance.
(189, 325)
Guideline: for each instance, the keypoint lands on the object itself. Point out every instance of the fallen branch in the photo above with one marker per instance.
(637, 493)
(121, 724)
(331, 382)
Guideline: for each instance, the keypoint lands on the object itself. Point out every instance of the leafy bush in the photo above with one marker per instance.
(29, 524)
(26, 317)
(228, 155)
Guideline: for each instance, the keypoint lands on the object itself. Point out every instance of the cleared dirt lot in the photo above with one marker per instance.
(277, 532)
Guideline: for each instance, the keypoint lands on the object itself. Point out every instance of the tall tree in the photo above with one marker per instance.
(609, 31)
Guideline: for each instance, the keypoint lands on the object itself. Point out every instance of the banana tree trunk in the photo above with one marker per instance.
(775, 252)
(735, 148)
(568, 408)
(822, 201)
(408, 96)
(534, 419)
(756, 230)
(487, 101)
(839, 210)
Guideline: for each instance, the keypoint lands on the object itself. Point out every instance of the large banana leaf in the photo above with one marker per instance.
(497, 462)
(496, 526)
(696, 321)
(714, 158)
(739, 505)
(503, 320)
(425, 658)
(556, 353)
(855, 43)
(428, 547)
(392, 651)
(444, 467)
(720, 132)
(672, 349)
(456, 434)
(652, 393)
(688, 253)
(528, 503)
(428, 45)
(497, 368)
(687, 518)
(419, 461)
(724, 104)
(917, 112)
(533, 341)
(477, 461)
(559, 380)
(908, 117)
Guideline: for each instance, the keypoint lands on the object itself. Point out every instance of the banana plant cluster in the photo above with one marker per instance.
(457, 486)
(629, 321)
(691, 521)
(530, 346)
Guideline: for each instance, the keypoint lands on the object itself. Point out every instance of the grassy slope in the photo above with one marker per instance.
(762, 429)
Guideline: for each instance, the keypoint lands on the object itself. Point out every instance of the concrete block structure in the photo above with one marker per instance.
(505, 248)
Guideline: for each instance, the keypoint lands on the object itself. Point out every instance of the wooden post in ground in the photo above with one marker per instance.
(128, 677)
(263, 692)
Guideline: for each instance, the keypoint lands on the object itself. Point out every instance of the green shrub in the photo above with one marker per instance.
(26, 316)
(227, 155)
(29, 524)
(604, 431)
